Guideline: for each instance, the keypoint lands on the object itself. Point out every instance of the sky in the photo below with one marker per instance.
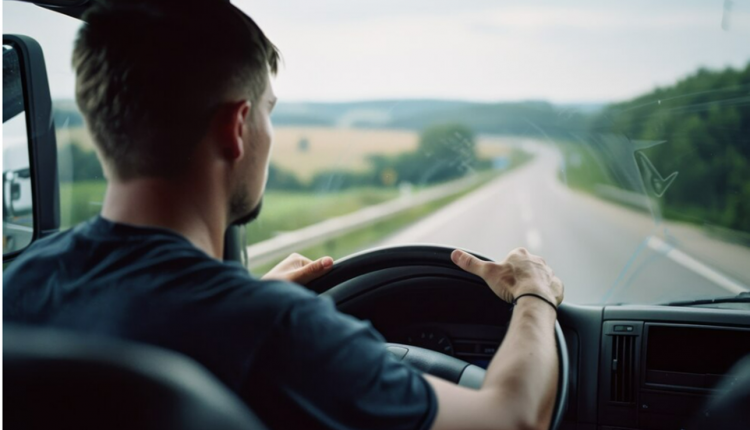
(564, 52)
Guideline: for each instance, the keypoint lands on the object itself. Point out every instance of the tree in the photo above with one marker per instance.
(445, 151)
(704, 122)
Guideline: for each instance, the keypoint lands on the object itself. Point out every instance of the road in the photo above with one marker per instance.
(603, 251)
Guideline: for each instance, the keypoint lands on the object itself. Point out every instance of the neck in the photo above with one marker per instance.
(181, 205)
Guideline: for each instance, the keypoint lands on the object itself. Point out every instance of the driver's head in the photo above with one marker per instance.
(169, 89)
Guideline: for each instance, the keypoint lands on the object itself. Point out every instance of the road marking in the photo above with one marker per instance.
(452, 212)
(696, 266)
(534, 240)
(524, 206)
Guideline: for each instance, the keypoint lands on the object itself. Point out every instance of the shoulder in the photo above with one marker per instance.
(48, 248)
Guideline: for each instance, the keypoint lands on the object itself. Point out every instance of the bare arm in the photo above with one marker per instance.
(520, 385)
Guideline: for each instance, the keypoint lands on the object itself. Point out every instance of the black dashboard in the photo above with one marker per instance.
(631, 367)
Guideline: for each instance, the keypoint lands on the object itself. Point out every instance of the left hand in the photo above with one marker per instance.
(299, 269)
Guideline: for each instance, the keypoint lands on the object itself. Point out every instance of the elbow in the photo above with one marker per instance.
(531, 425)
(518, 413)
(518, 420)
(529, 421)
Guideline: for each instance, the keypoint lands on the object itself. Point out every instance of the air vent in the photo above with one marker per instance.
(623, 369)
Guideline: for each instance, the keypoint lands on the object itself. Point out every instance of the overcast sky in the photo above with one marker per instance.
(571, 51)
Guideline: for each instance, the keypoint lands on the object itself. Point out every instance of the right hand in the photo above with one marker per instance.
(521, 272)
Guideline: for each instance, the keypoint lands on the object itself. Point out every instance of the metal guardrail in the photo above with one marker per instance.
(644, 203)
(629, 198)
(285, 243)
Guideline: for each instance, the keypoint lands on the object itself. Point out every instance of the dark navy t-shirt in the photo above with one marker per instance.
(295, 360)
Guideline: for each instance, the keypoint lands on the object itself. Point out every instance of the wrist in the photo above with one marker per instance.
(534, 300)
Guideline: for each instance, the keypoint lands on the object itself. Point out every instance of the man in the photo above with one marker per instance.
(178, 102)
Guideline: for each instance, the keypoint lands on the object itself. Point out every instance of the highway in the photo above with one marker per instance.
(603, 251)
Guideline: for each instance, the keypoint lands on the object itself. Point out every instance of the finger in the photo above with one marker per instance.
(468, 262)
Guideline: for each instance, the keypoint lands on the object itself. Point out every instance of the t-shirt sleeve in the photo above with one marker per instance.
(323, 369)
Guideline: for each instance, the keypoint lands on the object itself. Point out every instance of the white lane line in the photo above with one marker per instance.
(696, 266)
(524, 206)
(534, 240)
(424, 229)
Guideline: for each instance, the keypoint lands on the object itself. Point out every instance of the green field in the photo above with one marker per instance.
(80, 201)
(282, 210)
(287, 210)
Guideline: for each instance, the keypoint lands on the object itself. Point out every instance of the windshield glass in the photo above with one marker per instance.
(613, 139)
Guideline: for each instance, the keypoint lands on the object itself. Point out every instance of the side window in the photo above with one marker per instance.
(82, 183)
(18, 215)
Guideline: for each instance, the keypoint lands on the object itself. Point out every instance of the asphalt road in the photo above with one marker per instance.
(603, 251)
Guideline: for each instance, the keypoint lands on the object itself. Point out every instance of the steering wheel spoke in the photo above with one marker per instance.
(438, 364)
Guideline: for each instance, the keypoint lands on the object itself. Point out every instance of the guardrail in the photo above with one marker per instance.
(629, 198)
(285, 243)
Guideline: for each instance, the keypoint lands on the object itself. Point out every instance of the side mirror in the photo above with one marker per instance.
(30, 184)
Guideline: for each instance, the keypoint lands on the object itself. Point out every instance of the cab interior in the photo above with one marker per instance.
(623, 366)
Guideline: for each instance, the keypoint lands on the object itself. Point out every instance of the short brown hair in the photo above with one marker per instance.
(149, 77)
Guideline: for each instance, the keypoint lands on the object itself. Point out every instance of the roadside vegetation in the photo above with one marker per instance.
(698, 129)
(379, 172)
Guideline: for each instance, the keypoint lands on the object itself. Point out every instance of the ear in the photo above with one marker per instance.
(234, 129)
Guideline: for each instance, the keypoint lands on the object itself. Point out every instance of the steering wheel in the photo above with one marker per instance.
(355, 274)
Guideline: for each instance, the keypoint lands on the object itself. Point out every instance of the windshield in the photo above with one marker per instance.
(613, 139)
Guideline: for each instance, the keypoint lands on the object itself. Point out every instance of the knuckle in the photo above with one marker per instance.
(495, 269)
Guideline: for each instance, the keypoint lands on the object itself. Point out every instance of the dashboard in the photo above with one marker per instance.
(475, 344)
(631, 367)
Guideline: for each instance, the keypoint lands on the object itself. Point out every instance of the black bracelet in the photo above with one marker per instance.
(515, 301)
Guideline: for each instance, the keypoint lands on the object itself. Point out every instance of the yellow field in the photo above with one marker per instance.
(327, 148)
(347, 148)
(78, 135)
(335, 148)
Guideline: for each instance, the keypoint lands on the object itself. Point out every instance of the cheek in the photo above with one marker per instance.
(260, 150)
(263, 138)
(267, 137)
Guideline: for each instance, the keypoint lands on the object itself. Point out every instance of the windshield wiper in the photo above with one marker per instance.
(743, 297)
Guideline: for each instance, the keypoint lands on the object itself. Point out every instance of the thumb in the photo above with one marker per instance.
(468, 262)
(313, 270)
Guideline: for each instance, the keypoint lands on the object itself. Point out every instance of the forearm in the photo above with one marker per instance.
(520, 385)
(524, 370)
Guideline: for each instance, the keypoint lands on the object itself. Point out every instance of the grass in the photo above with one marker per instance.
(286, 211)
(80, 201)
(583, 170)
(283, 210)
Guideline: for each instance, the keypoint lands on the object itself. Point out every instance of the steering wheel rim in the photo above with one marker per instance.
(362, 263)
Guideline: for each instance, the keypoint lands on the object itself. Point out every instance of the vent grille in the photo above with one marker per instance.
(623, 369)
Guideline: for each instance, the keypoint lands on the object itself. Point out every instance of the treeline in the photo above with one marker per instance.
(704, 121)
(76, 164)
(444, 152)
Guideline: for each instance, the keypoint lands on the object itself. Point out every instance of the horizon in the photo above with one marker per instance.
(487, 52)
